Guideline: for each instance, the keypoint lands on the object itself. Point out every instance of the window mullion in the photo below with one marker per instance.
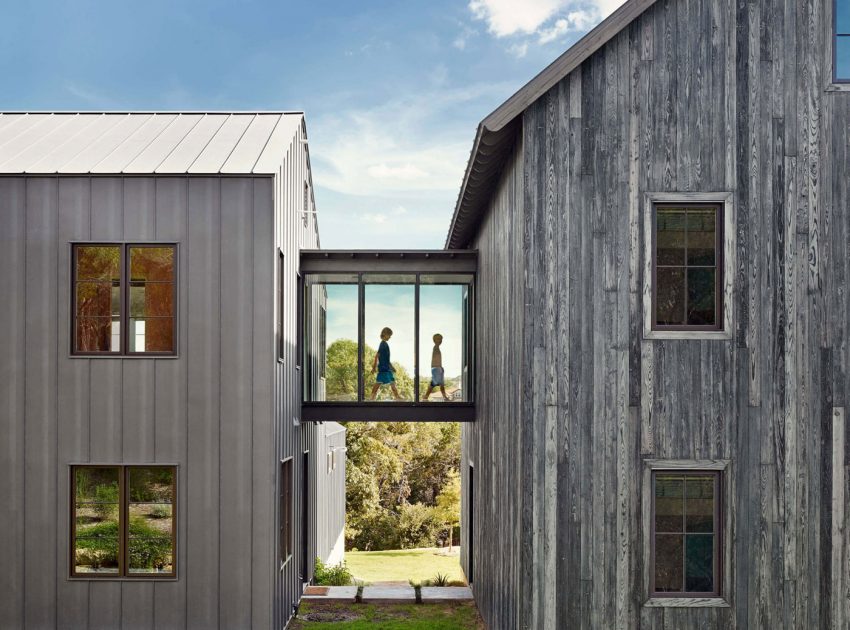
(122, 515)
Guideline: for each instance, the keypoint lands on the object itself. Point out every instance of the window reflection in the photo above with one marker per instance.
(331, 337)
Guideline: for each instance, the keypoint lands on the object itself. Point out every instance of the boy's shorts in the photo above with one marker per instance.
(437, 377)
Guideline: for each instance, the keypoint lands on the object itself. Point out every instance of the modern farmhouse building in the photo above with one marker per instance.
(662, 221)
(153, 468)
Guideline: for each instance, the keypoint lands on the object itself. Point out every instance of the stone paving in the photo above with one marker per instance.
(394, 593)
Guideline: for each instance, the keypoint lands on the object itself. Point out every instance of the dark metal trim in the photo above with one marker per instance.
(389, 261)
(387, 412)
(835, 35)
(719, 261)
(717, 551)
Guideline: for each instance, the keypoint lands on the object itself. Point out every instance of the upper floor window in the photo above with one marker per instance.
(842, 41)
(123, 521)
(685, 540)
(687, 267)
(124, 299)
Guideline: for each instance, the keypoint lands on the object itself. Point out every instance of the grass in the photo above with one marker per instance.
(345, 616)
(403, 564)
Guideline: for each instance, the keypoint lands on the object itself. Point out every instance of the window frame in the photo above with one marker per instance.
(124, 282)
(717, 532)
(285, 546)
(834, 35)
(724, 257)
(281, 303)
(724, 533)
(123, 573)
(718, 267)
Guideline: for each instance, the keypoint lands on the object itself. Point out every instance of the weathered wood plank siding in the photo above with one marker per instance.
(210, 410)
(498, 443)
(693, 96)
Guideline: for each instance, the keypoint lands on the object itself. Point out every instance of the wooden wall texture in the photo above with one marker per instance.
(695, 95)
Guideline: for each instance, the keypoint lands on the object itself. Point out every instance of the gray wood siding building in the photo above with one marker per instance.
(229, 190)
(577, 404)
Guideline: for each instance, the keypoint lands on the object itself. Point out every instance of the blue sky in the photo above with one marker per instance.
(393, 91)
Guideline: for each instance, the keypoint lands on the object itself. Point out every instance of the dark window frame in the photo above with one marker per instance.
(124, 282)
(719, 262)
(285, 495)
(281, 304)
(717, 561)
(836, 36)
(123, 572)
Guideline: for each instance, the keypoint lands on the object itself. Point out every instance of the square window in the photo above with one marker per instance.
(687, 273)
(685, 533)
(123, 521)
(124, 299)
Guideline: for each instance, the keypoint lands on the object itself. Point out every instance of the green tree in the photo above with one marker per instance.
(448, 503)
(341, 373)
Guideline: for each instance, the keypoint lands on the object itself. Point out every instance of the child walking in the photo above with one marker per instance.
(381, 362)
(437, 372)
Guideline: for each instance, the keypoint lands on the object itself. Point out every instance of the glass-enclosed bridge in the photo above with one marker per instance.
(388, 335)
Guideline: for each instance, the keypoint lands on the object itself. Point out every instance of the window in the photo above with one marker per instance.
(123, 521)
(842, 41)
(285, 510)
(323, 350)
(124, 299)
(686, 532)
(306, 204)
(687, 267)
(280, 306)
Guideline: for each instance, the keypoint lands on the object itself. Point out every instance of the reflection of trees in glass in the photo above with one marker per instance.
(341, 373)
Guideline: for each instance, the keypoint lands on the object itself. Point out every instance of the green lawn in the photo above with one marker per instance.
(403, 564)
(345, 616)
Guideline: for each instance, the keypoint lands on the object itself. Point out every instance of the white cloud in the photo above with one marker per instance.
(518, 50)
(399, 171)
(547, 19)
(465, 35)
(374, 218)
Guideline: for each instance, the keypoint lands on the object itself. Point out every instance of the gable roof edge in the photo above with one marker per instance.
(512, 108)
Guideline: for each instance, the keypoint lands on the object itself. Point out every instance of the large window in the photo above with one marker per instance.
(842, 41)
(687, 288)
(686, 533)
(123, 521)
(124, 299)
(285, 508)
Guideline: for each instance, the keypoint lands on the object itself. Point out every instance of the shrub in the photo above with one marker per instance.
(332, 575)
(149, 548)
(440, 580)
(161, 511)
(106, 497)
(97, 546)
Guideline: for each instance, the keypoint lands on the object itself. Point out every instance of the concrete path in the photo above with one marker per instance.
(393, 593)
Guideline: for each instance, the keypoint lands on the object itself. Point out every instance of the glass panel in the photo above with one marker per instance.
(152, 334)
(699, 504)
(97, 334)
(152, 263)
(668, 563)
(842, 17)
(441, 342)
(150, 493)
(98, 299)
(330, 318)
(96, 262)
(699, 563)
(701, 297)
(842, 58)
(669, 504)
(701, 236)
(96, 519)
(670, 296)
(388, 352)
(670, 236)
(147, 300)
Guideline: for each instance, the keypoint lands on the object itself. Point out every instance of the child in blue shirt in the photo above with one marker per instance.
(381, 362)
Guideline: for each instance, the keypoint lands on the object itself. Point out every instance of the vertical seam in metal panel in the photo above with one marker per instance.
(186, 418)
(253, 301)
(24, 482)
(155, 169)
(236, 144)
(56, 418)
(218, 496)
(207, 143)
(266, 143)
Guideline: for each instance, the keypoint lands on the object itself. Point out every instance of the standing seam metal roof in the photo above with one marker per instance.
(145, 142)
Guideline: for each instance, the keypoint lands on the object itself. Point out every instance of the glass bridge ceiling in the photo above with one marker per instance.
(388, 335)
